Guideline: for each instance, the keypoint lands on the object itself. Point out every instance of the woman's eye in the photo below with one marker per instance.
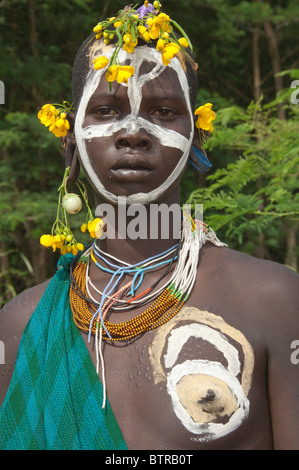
(105, 111)
(164, 112)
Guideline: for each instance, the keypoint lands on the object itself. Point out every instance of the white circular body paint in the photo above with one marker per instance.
(210, 430)
(133, 121)
(209, 397)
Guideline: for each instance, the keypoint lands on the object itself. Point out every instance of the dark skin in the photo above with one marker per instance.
(259, 299)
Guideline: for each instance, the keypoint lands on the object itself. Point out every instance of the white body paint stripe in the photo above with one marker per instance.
(180, 336)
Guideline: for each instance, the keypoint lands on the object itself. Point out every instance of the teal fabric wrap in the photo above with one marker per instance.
(54, 401)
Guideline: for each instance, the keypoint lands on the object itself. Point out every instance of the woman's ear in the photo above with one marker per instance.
(71, 152)
(197, 157)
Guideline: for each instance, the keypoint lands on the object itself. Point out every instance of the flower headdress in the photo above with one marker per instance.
(129, 27)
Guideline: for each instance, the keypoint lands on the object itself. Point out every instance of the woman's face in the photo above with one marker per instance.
(134, 140)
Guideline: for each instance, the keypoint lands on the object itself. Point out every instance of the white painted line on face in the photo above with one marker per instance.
(166, 137)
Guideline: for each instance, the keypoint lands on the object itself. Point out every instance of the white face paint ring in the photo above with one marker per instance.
(133, 122)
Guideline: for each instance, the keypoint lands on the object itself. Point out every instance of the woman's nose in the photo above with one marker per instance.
(137, 139)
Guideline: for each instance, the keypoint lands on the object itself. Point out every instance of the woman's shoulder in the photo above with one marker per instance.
(14, 316)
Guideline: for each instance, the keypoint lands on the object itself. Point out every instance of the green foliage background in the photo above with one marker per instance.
(248, 59)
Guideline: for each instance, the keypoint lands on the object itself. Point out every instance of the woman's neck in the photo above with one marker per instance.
(137, 232)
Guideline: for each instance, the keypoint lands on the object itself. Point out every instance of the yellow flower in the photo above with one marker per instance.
(95, 228)
(100, 62)
(183, 42)
(205, 117)
(169, 51)
(161, 22)
(160, 45)
(80, 246)
(144, 33)
(47, 115)
(74, 250)
(60, 126)
(63, 250)
(46, 240)
(142, 29)
(146, 36)
(97, 28)
(121, 73)
(129, 45)
(111, 73)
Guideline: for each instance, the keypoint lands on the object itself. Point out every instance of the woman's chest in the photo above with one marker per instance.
(190, 383)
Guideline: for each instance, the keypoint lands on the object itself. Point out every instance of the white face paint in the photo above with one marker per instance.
(133, 122)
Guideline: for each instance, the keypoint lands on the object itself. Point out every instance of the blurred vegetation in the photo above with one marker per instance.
(248, 58)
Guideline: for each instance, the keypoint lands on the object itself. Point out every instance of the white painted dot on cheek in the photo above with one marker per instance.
(166, 137)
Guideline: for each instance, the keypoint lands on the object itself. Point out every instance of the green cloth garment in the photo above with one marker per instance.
(54, 401)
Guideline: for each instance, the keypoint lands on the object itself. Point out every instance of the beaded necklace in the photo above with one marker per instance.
(174, 292)
(88, 321)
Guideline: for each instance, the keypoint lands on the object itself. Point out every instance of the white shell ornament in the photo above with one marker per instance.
(71, 203)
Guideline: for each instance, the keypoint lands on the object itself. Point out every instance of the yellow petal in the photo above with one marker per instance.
(97, 28)
(46, 240)
(169, 51)
(124, 72)
(100, 62)
(183, 42)
(111, 73)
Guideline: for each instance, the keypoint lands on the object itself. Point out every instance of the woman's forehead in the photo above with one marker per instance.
(150, 76)
(165, 87)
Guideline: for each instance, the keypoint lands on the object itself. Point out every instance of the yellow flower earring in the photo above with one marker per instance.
(54, 116)
(199, 159)
(61, 236)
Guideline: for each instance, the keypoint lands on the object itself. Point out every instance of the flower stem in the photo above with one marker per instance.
(183, 33)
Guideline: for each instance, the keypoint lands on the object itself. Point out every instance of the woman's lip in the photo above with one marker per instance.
(133, 161)
(131, 173)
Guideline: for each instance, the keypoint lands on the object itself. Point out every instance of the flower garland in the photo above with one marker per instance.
(61, 236)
